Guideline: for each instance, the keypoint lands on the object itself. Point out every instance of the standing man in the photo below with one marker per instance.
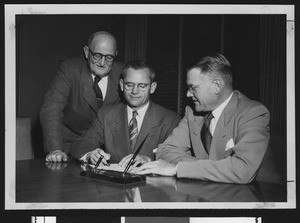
(81, 86)
(223, 139)
(120, 129)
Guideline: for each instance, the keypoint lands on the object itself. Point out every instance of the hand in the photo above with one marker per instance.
(56, 166)
(95, 155)
(57, 156)
(139, 160)
(159, 167)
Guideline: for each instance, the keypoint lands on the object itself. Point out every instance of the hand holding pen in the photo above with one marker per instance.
(132, 160)
(99, 156)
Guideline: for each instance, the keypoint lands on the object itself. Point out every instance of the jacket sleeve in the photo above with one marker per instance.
(93, 138)
(177, 146)
(251, 142)
(51, 112)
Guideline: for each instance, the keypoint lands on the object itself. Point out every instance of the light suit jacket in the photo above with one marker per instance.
(109, 131)
(70, 104)
(243, 122)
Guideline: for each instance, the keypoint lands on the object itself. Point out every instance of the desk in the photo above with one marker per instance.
(38, 181)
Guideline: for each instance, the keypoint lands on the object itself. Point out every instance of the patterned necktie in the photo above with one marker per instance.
(206, 136)
(97, 90)
(133, 130)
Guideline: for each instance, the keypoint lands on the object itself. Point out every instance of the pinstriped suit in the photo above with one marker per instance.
(70, 104)
(109, 131)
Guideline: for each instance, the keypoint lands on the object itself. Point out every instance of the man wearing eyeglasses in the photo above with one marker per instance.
(81, 87)
(120, 129)
(224, 138)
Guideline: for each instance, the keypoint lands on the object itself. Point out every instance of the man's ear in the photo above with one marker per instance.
(86, 51)
(217, 84)
(153, 87)
(121, 84)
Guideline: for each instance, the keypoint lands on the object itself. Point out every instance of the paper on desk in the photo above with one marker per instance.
(113, 166)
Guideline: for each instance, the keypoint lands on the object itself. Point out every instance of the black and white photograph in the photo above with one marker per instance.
(150, 107)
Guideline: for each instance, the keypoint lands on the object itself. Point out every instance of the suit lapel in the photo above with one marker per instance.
(223, 130)
(120, 133)
(112, 87)
(147, 130)
(88, 93)
(197, 144)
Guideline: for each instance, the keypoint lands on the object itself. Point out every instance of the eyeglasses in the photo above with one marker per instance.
(129, 86)
(98, 56)
(193, 89)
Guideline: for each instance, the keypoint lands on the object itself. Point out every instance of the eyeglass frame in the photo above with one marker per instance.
(134, 84)
(101, 56)
(193, 89)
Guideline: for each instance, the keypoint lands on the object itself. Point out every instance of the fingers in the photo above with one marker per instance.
(96, 154)
(56, 166)
(57, 156)
(125, 160)
(145, 168)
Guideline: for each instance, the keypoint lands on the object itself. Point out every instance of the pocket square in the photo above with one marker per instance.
(229, 144)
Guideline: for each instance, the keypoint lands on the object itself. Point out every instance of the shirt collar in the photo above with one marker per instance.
(103, 79)
(141, 111)
(218, 111)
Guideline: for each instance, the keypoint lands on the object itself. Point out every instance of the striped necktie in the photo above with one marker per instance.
(133, 130)
(206, 135)
(98, 91)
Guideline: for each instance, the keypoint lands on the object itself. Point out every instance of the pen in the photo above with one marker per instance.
(99, 161)
(134, 156)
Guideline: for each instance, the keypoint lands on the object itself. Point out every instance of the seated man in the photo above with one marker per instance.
(223, 139)
(120, 129)
(82, 85)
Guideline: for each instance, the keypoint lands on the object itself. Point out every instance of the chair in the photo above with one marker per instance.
(24, 148)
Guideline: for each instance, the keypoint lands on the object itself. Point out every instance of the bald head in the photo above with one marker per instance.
(102, 38)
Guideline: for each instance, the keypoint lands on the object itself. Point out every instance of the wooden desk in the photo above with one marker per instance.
(38, 181)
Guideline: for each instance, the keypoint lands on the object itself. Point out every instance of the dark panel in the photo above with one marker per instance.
(88, 219)
(241, 46)
(162, 54)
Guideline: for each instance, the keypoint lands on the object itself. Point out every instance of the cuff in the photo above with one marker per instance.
(85, 157)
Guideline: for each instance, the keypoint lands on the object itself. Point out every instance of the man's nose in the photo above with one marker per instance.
(102, 61)
(189, 94)
(135, 89)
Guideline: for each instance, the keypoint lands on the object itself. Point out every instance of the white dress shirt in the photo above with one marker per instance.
(140, 116)
(217, 113)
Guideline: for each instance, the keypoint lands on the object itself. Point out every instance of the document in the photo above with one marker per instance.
(114, 167)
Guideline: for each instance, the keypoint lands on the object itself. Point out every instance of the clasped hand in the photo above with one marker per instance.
(57, 156)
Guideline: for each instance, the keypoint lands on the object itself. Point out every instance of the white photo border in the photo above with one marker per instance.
(10, 96)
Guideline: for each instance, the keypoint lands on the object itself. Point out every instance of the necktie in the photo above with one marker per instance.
(133, 130)
(97, 90)
(206, 136)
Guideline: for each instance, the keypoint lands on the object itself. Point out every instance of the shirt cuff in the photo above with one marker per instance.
(84, 158)
(176, 167)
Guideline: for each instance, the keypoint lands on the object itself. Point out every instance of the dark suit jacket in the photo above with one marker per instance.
(243, 122)
(109, 131)
(70, 104)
